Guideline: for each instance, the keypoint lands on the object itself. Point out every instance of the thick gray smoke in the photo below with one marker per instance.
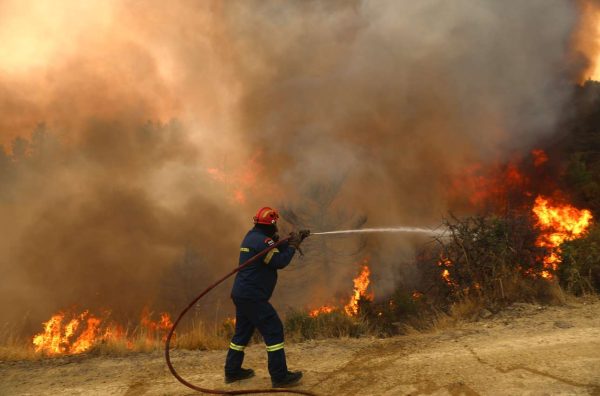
(168, 125)
(394, 98)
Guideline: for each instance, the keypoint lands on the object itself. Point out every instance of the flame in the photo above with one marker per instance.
(587, 39)
(359, 293)
(557, 223)
(153, 328)
(446, 276)
(361, 283)
(325, 309)
(446, 263)
(77, 333)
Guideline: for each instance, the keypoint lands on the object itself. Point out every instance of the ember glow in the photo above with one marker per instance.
(539, 157)
(557, 223)
(481, 185)
(415, 295)
(69, 333)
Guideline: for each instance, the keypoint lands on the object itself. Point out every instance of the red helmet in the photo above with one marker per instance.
(266, 215)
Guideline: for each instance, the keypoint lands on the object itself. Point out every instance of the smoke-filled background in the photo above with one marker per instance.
(139, 137)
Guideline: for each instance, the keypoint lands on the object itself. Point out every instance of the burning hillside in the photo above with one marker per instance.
(136, 140)
(517, 190)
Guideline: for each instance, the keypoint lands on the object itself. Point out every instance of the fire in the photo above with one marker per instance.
(325, 309)
(481, 186)
(539, 157)
(361, 283)
(446, 263)
(359, 293)
(153, 328)
(77, 333)
(558, 223)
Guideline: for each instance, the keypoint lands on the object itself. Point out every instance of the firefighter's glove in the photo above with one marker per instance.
(303, 234)
(295, 239)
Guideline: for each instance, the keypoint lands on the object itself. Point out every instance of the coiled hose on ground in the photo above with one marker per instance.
(182, 314)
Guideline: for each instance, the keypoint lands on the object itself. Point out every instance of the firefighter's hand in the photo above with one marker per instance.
(295, 239)
(303, 234)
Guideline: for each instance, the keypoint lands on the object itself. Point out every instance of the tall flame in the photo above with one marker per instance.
(557, 223)
(361, 283)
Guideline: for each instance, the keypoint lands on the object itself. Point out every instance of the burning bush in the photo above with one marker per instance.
(485, 257)
(493, 259)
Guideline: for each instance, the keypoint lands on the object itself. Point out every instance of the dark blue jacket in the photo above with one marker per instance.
(257, 281)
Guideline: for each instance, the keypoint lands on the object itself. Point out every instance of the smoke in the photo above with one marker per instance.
(133, 131)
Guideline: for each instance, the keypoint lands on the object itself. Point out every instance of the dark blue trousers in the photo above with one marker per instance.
(261, 315)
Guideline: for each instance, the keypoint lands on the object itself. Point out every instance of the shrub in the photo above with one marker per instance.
(300, 326)
(579, 272)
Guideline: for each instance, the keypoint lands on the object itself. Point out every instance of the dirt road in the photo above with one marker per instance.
(524, 350)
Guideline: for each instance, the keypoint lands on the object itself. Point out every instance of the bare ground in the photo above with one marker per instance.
(523, 350)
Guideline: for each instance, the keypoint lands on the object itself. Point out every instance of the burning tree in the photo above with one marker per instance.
(484, 256)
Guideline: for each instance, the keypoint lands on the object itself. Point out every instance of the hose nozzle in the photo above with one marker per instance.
(304, 234)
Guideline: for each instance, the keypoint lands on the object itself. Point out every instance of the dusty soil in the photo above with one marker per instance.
(523, 350)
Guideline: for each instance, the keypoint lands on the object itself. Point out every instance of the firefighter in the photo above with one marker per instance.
(252, 289)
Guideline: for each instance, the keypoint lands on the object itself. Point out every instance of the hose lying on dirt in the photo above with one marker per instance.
(181, 315)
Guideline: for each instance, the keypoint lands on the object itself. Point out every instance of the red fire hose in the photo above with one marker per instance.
(217, 391)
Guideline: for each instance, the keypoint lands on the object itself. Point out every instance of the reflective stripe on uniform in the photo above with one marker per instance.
(244, 250)
(236, 347)
(273, 348)
(270, 255)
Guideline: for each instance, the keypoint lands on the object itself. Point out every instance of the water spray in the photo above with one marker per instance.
(303, 234)
(418, 230)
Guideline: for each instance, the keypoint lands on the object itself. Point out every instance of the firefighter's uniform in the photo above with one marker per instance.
(251, 292)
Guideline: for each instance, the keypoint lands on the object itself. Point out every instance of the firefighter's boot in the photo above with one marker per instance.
(242, 374)
(290, 379)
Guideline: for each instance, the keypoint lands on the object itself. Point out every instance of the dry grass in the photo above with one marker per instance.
(14, 347)
(201, 336)
(300, 326)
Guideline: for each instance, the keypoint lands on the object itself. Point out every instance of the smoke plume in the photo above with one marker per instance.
(134, 132)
